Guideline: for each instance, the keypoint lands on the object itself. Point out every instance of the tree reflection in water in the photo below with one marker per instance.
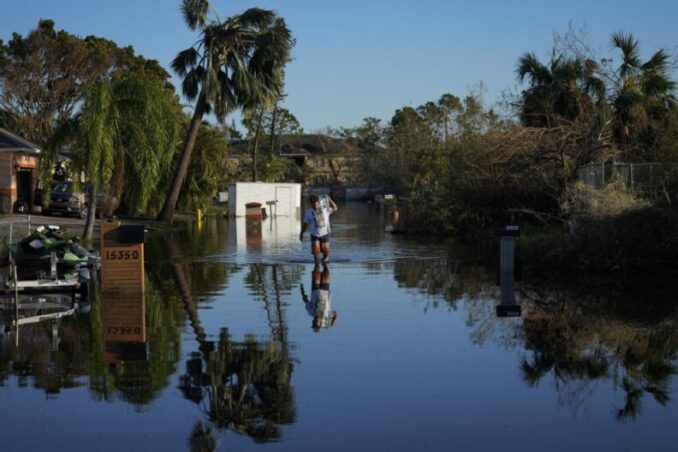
(76, 356)
(574, 346)
(243, 386)
(587, 336)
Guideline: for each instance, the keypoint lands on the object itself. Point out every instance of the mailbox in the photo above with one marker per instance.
(131, 233)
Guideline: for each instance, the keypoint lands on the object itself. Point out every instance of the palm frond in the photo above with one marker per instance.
(190, 86)
(658, 62)
(530, 67)
(184, 61)
(195, 13)
(256, 18)
(630, 49)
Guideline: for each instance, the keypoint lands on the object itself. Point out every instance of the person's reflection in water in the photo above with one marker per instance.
(320, 304)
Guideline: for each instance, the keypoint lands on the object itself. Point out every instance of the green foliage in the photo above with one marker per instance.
(237, 63)
(562, 91)
(149, 132)
(609, 230)
(274, 169)
(45, 75)
(130, 126)
(205, 170)
(266, 129)
(462, 167)
(97, 132)
(642, 93)
(286, 124)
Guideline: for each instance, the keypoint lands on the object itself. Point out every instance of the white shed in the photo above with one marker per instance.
(288, 197)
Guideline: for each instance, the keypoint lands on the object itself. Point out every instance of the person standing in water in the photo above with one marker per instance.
(317, 219)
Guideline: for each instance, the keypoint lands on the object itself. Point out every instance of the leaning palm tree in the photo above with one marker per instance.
(640, 90)
(236, 63)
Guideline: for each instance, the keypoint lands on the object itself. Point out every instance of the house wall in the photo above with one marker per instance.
(287, 195)
(8, 183)
(7, 179)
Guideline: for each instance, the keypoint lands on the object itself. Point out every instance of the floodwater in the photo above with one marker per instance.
(237, 344)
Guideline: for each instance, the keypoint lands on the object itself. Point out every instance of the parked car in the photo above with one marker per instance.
(64, 200)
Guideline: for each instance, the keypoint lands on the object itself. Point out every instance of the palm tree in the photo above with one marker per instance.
(640, 91)
(563, 90)
(236, 63)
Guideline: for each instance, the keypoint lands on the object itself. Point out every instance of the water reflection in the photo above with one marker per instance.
(319, 305)
(270, 284)
(90, 348)
(32, 347)
(576, 346)
(578, 340)
(242, 386)
(227, 348)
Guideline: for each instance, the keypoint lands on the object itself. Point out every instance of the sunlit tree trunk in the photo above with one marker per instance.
(167, 213)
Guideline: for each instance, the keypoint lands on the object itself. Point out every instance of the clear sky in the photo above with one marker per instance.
(358, 58)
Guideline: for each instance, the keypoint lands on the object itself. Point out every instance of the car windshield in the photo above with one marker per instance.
(65, 187)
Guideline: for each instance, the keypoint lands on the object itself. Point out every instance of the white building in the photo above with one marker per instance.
(279, 199)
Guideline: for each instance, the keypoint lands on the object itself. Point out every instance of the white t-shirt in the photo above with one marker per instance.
(321, 306)
(318, 222)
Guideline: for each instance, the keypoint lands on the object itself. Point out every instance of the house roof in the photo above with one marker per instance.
(302, 145)
(12, 143)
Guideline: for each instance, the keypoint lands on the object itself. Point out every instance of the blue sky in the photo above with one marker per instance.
(367, 58)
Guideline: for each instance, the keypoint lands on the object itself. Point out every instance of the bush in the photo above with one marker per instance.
(585, 203)
(610, 230)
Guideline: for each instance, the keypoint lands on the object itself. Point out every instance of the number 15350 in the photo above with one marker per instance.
(122, 255)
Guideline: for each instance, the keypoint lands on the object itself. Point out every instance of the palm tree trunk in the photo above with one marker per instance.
(167, 213)
(272, 139)
(255, 145)
(90, 197)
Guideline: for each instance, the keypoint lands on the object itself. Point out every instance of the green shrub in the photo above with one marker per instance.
(609, 230)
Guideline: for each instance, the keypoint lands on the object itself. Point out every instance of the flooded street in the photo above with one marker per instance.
(408, 354)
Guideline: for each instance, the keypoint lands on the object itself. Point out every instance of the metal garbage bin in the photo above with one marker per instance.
(253, 211)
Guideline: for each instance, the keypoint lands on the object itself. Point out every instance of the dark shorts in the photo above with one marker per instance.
(320, 244)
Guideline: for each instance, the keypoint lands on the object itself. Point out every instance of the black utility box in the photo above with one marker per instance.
(131, 233)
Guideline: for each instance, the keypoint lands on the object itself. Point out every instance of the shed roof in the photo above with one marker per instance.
(12, 143)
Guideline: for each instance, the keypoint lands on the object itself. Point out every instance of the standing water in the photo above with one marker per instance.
(395, 345)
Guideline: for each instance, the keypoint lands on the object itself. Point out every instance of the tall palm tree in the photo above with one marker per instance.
(563, 90)
(640, 91)
(236, 63)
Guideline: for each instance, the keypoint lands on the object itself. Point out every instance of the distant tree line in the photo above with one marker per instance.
(462, 165)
